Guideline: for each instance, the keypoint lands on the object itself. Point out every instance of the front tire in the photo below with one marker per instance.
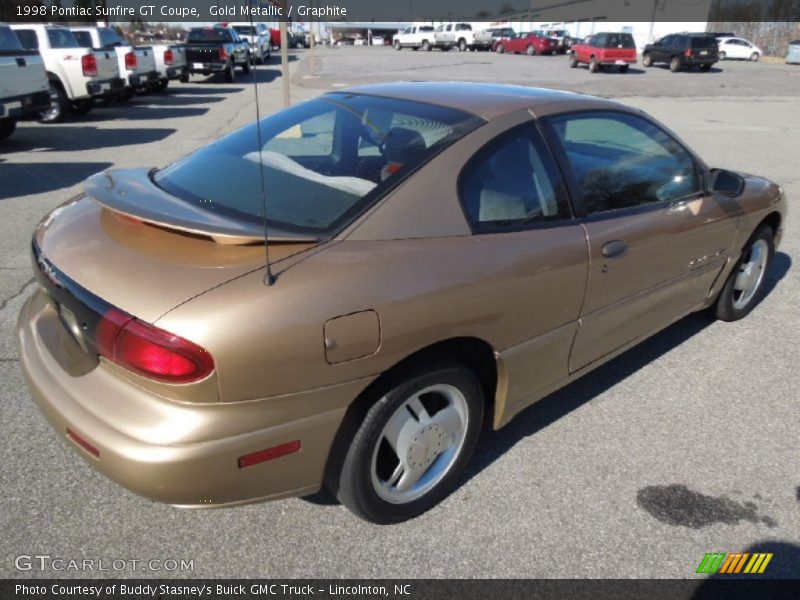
(754, 57)
(412, 445)
(230, 74)
(462, 45)
(722, 56)
(746, 284)
(530, 50)
(573, 61)
(647, 60)
(426, 45)
(246, 65)
(500, 49)
(397, 46)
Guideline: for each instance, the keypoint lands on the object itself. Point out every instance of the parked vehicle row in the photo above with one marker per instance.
(50, 71)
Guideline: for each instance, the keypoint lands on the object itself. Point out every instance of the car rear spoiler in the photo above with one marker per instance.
(132, 193)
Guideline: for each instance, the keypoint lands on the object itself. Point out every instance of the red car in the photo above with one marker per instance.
(529, 43)
(602, 49)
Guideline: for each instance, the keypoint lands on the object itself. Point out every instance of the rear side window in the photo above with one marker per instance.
(28, 39)
(512, 183)
(622, 161)
(62, 38)
(8, 41)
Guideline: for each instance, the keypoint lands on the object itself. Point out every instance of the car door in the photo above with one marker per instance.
(533, 256)
(657, 241)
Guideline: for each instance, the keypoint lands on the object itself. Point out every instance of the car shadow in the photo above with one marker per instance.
(542, 414)
(142, 112)
(176, 98)
(200, 88)
(25, 179)
(76, 139)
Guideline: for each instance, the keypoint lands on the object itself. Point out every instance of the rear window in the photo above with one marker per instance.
(109, 38)
(8, 41)
(324, 160)
(28, 39)
(84, 38)
(702, 42)
(209, 34)
(619, 40)
(62, 38)
(245, 30)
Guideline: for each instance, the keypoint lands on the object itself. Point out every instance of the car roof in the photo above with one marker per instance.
(486, 100)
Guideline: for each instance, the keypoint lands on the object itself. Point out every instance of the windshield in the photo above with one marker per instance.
(8, 41)
(209, 34)
(324, 160)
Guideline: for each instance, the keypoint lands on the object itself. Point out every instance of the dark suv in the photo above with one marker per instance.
(681, 50)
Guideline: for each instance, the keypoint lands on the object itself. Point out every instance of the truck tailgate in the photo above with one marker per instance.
(107, 64)
(202, 53)
(145, 59)
(21, 72)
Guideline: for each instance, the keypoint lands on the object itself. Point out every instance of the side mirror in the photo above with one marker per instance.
(726, 182)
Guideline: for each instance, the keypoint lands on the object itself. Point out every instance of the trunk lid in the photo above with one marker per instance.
(141, 268)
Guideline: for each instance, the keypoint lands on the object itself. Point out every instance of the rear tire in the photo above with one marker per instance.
(722, 56)
(500, 49)
(246, 65)
(705, 68)
(647, 60)
(59, 105)
(746, 285)
(675, 64)
(184, 78)
(593, 66)
(530, 50)
(397, 46)
(426, 45)
(384, 485)
(462, 45)
(7, 127)
(161, 85)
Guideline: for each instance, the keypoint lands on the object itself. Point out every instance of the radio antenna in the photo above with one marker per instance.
(269, 277)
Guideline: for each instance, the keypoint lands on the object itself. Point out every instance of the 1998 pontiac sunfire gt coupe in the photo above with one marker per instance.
(444, 256)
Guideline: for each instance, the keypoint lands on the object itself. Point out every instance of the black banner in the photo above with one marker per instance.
(398, 11)
(479, 589)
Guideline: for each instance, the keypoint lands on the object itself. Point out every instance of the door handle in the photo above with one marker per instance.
(614, 248)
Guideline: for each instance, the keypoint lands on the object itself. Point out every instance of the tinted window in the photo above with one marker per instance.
(425, 29)
(619, 40)
(109, 37)
(8, 41)
(621, 161)
(62, 38)
(84, 38)
(245, 30)
(28, 39)
(703, 42)
(209, 34)
(513, 182)
(323, 160)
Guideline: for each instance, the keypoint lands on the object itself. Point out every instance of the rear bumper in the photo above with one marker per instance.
(618, 61)
(207, 68)
(175, 452)
(699, 60)
(139, 79)
(105, 87)
(177, 72)
(24, 105)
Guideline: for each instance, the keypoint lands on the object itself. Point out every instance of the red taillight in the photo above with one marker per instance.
(687, 53)
(223, 53)
(89, 65)
(169, 57)
(130, 61)
(150, 351)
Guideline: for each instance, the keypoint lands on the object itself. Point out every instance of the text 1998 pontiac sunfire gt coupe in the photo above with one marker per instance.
(444, 256)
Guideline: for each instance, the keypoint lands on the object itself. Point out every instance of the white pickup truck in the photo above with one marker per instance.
(76, 75)
(416, 37)
(137, 66)
(461, 36)
(23, 82)
(170, 64)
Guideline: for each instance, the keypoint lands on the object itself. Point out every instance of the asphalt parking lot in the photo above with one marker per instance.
(684, 445)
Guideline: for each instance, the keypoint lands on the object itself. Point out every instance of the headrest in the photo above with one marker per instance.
(402, 145)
